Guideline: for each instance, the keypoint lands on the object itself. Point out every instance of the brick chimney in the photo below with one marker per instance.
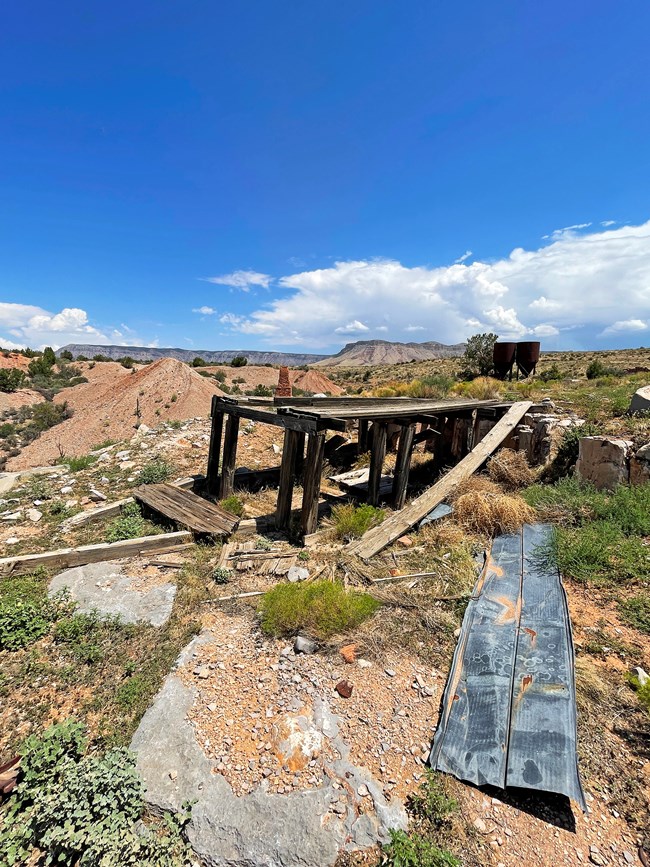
(283, 388)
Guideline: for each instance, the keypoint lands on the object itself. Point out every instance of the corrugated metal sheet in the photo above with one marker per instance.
(509, 714)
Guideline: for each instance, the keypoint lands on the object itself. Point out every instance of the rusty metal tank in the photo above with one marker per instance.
(503, 358)
(527, 356)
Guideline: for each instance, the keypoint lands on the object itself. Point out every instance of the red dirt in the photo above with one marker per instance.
(16, 399)
(14, 359)
(308, 380)
(105, 407)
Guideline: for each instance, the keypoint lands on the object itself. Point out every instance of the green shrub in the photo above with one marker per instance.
(414, 850)
(82, 810)
(597, 369)
(11, 379)
(351, 522)
(129, 525)
(551, 374)
(81, 462)
(598, 552)
(26, 612)
(233, 505)
(155, 472)
(82, 635)
(198, 362)
(431, 802)
(431, 386)
(322, 608)
(239, 361)
(46, 415)
(221, 575)
(635, 611)
(220, 376)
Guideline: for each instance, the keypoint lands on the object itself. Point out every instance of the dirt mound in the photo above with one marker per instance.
(114, 401)
(16, 399)
(14, 359)
(253, 375)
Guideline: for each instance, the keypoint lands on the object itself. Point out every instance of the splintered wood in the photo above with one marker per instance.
(187, 510)
(246, 558)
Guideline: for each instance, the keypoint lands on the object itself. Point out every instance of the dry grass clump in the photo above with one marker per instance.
(475, 485)
(481, 388)
(511, 469)
(492, 513)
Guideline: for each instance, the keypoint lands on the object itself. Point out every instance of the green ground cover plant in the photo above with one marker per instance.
(155, 472)
(233, 505)
(321, 608)
(81, 462)
(635, 611)
(351, 522)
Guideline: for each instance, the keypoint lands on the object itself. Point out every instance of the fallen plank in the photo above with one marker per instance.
(66, 557)
(108, 510)
(509, 707)
(401, 522)
(187, 510)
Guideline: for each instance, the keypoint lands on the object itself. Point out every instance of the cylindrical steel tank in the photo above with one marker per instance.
(527, 356)
(503, 358)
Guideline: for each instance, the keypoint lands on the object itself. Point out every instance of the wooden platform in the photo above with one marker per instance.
(187, 510)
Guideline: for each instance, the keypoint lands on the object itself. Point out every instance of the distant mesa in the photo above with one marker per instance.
(363, 352)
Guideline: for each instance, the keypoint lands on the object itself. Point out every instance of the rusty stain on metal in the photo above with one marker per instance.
(508, 711)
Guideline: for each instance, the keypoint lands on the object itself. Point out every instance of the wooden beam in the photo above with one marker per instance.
(186, 510)
(287, 479)
(377, 456)
(227, 485)
(311, 483)
(66, 557)
(363, 436)
(214, 453)
(401, 522)
(403, 465)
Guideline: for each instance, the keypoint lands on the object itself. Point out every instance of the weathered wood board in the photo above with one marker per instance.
(401, 522)
(187, 510)
(67, 557)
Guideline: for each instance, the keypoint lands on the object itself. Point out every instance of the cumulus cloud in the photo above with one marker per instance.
(623, 326)
(36, 327)
(556, 234)
(241, 280)
(578, 281)
(204, 311)
(354, 327)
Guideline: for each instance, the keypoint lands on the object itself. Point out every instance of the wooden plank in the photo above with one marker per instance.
(268, 417)
(187, 510)
(363, 437)
(287, 479)
(377, 457)
(66, 557)
(108, 510)
(400, 522)
(214, 452)
(311, 482)
(227, 485)
(403, 465)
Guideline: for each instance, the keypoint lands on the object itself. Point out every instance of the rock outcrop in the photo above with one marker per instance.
(604, 461)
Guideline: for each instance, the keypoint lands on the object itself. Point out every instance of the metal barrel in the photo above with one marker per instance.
(527, 356)
(503, 358)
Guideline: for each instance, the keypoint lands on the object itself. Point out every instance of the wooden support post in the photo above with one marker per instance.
(214, 454)
(377, 455)
(229, 456)
(311, 483)
(403, 465)
(363, 436)
(300, 453)
(287, 479)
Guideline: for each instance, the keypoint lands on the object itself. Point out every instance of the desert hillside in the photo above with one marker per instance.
(368, 352)
(253, 375)
(114, 401)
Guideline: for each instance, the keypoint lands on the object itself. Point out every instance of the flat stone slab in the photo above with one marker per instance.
(104, 587)
(306, 828)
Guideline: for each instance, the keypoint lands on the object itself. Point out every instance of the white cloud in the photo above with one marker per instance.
(205, 310)
(241, 280)
(354, 327)
(415, 328)
(36, 327)
(557, 234)
(607, 223)
(623, 326)
(584, 281)
(381, 328)
(462, 258)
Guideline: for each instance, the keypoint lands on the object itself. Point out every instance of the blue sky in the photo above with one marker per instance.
(330, 165)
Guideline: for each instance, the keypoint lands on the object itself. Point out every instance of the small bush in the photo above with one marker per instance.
(415, 850)
(567, 453)
(26, 612)
(322, 608)
(220, 376)
(46, 415)
(492, 514)
(597, 369)
(482, 388)
(81, 462)
(511, 469)
(636, 612)
(233, 505)
(221, 575)
(125, 527)
(598, 552)
(198, 362)
(11, 379)
(155, 472)
(551, 374)
(351, 522)
(239, 361)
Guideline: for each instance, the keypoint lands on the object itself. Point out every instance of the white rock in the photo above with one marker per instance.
(641, 400)
(12, 540)
(603, 461)
(34, 515)
(297, 573)
(97, 496)
(641, 675)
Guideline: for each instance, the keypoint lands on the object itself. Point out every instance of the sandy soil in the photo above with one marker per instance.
(107, 406)
(14, 359)
(16, 399)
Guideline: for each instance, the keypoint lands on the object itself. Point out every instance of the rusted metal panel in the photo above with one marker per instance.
(508, 715)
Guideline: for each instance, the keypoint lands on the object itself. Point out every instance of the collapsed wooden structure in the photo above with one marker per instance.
(457, 426)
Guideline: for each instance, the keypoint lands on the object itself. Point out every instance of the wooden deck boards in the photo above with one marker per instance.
(187, 510)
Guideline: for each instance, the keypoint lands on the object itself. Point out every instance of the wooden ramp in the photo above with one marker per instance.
(401, 522)
(187, 510)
